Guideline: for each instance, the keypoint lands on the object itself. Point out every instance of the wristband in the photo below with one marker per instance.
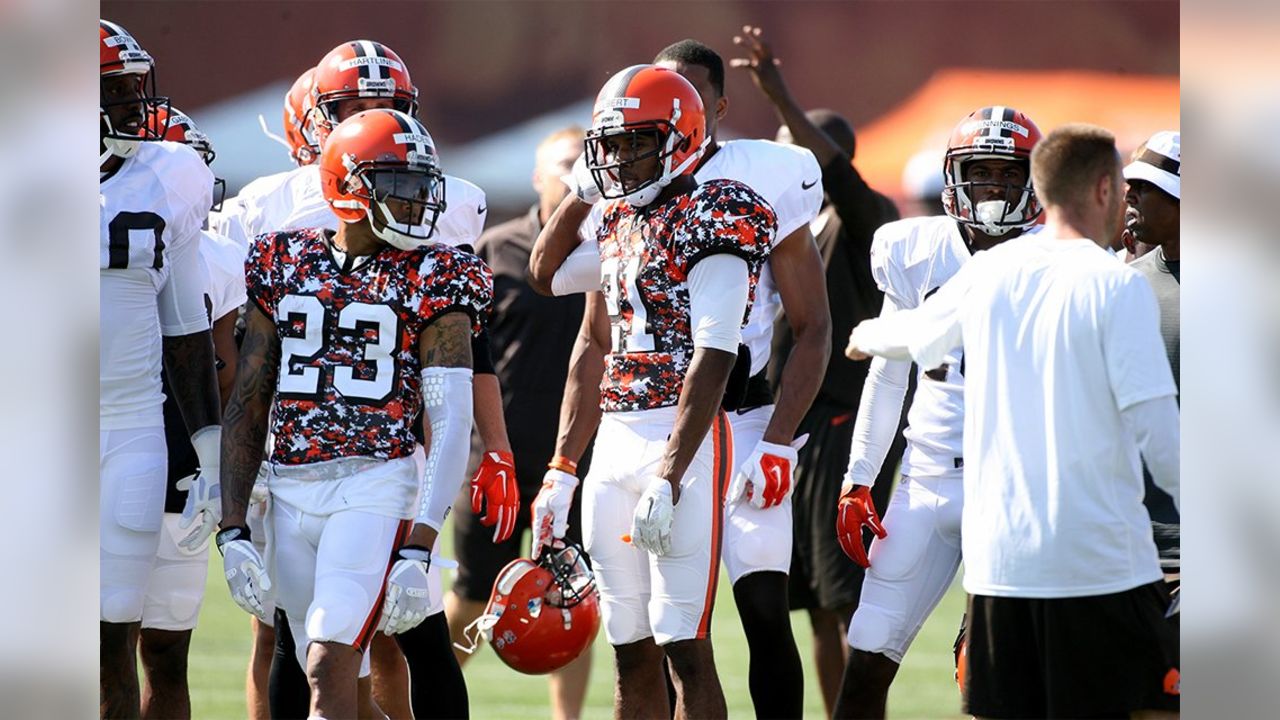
(231, 534)
(414, 552)
(564, 465)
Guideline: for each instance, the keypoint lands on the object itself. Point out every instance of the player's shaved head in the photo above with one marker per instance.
(692, 52)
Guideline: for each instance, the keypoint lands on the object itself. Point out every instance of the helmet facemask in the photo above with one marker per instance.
(123, 142)
(402, 201)
(604, 141)
(1018, 210)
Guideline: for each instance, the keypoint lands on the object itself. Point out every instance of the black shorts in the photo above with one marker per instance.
(822, 576)
(1100, 656)
(479, 559)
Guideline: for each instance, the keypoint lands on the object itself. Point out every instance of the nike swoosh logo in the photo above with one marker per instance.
(502, 476)
(807, 185)
(777, 474)
(480, 210)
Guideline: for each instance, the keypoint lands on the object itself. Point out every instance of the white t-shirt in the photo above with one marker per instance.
(789, 179)
(151, 281)
(1059, 338)
(293, 200)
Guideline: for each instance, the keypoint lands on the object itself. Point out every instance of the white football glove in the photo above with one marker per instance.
(203, 508)
(551, 509)
(651, 524)
(245, 571)
(765, 478)
(408, 592)
(581, 182)
(204, 494)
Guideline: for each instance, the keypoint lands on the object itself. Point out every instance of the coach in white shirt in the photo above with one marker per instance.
(1066, 381)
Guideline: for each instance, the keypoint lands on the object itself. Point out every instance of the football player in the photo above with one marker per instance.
(757, 524)
(354, 76)
(675, 264)
(913, 560)
(176, 589)
(350, 333)
(153, 198)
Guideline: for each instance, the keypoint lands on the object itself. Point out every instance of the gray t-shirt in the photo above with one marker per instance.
(1163, 276)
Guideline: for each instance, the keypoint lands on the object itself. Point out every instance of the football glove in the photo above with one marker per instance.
(855, 511)
(765, 478)
(246, 573)
(204, 495)
(551, 509)
(494, 490)
(203, 508)
(651, 524)
(581, 182)
(408, 592)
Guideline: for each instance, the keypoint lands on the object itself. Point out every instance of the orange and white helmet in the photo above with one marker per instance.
(298, 131)
(377, 156)
(999, 133)
(645, 100)
(176, 126)
(359, 69)
(541, 616)
(119, 55)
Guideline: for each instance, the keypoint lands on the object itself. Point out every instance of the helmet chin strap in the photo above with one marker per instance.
(398, 235)
(649, 193)
(478, 628)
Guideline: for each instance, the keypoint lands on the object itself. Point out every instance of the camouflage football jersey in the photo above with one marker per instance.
(348, 382)
(645, 259)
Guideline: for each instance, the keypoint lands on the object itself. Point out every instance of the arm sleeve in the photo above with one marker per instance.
(1154, 424)
(447, 403)
(580, 272)
(879, 410)
(1137, 364)
(925, 335)
(181, 300)
(718, 302)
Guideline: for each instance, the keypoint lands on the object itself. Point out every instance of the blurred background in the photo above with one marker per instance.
(495, 77)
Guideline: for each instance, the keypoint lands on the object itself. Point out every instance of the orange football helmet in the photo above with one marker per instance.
(298, 131)
(381, 156)
(120, 55)
(645, 100)
(359, 69)
(541, 616)
(176, 126)
(1000, 133)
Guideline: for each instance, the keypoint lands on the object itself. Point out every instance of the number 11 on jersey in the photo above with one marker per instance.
(629, 325)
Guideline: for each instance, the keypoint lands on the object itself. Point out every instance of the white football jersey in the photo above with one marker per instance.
(789, 179)
(910, 260)
(293, 200)
(151, 280)
(224, 265)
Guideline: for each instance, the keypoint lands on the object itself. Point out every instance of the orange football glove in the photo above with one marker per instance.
(855, 511)
(494, 490)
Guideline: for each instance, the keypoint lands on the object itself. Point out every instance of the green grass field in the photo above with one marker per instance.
(924, 687)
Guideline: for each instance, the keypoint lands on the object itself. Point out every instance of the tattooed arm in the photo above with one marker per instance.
(244, 435)
(447, 413)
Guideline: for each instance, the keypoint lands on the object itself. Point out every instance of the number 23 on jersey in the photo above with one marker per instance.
(306, 323)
